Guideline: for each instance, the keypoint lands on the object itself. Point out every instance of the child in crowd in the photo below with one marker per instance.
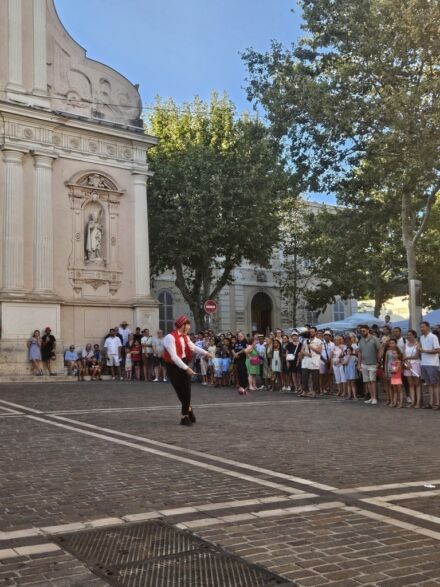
(95, 369)
(338, 366)
(128, 366)
(350, 370)
(396, 379)
(218, 368)
(212, 349)
(226, 365)
(276, 365)
(390, 347)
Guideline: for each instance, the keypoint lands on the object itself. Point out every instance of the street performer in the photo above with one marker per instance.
(178, 351)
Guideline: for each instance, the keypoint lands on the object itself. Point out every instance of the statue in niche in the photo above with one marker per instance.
(94, 237)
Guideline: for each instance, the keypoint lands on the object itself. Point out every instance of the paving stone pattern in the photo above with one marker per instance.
(334, 547)
(51, 476)
(427, 505)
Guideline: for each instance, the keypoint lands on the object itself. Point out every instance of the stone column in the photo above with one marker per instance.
(13, 228)
(40, 50)
(43, 225)
(141, 241)
(15, 63)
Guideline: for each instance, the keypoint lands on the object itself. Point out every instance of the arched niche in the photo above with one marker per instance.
(94, 201)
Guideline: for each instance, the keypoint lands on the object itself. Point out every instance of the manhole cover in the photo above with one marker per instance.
(153, 554)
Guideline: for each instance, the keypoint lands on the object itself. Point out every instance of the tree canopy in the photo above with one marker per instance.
(357, 103)
(214, 201)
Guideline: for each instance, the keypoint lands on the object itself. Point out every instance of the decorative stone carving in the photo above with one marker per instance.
(261, 276)
(94, 200)
(94, 238)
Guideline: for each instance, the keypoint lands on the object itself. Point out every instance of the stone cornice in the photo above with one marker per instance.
(25, 132)
(54, 120)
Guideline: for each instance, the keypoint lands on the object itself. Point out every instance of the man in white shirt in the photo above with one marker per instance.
(430, 364)
(311, 352)
(113, 347)
(147, 354)
(124, 331)
(178, 351)
(325, 370)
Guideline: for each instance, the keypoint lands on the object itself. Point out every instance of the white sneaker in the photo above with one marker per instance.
(374, 402)
(113, 378)
(408, 400)
(154, 380)
(369, 401)
(283, 389)
(165, 379)
(204, 383)
(289, 388)
(121, 378)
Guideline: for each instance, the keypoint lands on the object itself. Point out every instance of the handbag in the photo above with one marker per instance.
(254, 361)
(290, 357)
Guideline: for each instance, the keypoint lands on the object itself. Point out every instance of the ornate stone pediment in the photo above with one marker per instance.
(82, 86)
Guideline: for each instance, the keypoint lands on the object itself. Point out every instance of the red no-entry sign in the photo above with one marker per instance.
(210, 307)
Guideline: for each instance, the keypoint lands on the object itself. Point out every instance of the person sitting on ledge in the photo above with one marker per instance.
(70, 360)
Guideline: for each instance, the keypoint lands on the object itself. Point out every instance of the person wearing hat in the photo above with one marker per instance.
(48, 345)
(178, 351)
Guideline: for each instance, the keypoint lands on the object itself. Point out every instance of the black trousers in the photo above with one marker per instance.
(181, 382)
(242, 373)
(306, 373)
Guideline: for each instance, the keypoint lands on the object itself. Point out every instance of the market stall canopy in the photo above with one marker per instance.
(351, 322)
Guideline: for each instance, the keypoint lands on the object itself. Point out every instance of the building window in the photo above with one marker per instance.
(312, 317)
(338, 311)
(166, 312)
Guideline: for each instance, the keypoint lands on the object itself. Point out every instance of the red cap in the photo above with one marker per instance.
(48, 328)
(181, 320)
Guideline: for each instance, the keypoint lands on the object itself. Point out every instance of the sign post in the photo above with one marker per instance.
(210, 307)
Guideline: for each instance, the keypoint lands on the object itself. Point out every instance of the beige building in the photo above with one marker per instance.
(253, 301)
(73, 176)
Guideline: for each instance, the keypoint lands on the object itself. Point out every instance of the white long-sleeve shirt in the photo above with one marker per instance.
(170, 345)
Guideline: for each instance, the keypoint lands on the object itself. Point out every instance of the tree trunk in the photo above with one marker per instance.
(295, 287)
(199, 317)
(377, 306)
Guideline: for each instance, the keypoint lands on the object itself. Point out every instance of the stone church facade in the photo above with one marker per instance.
(74, 250)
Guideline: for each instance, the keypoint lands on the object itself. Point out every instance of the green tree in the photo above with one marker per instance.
(357, 100)
(295, 276)
(215, 197)
(354, 253)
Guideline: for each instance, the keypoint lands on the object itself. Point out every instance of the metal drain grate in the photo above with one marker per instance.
(153, 554)
(124, 544)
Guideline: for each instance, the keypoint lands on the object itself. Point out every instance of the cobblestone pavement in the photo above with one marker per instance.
(321, 492)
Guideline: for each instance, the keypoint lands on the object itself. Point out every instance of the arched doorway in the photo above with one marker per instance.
(261, 311)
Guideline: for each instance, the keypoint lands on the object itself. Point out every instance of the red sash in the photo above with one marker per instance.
(179, 350)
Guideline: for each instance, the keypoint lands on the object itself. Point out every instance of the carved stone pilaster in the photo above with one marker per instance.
(13, 237)
(43, 225)
(15, 46)
(40, 49)
(141, 240)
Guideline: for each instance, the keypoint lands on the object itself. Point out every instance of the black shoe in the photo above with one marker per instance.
(185, 421)
(192, 417)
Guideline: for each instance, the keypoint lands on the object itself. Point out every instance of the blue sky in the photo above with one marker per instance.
(178, 48)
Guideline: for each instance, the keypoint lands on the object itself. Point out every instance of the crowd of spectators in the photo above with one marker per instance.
(357, 365)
